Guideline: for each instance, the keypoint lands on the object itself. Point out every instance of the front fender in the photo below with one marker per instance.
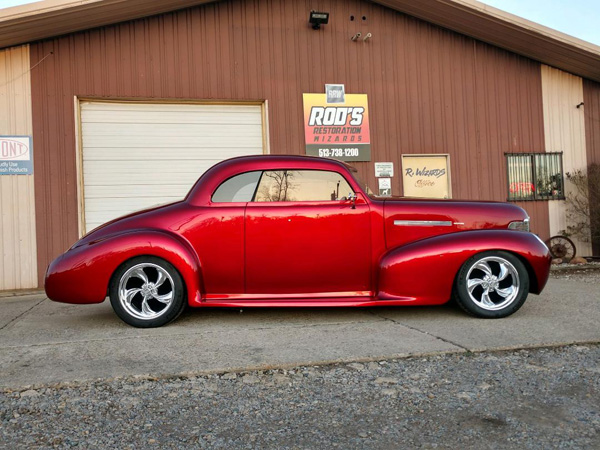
(423, 272)
(82, 274)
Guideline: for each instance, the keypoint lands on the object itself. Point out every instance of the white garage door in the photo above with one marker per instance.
(137, 155)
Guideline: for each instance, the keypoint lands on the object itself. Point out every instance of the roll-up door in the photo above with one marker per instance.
(138, 155)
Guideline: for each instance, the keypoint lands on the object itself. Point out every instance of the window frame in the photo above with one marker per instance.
(535, 197)
(354, 191)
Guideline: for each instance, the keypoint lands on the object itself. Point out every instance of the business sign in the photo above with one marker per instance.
(384, 169)
(426, 176)
(385, 187)
(337, 130)
(16, 155)
(335, 93)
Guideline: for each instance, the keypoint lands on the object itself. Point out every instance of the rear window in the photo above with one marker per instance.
(239, 188)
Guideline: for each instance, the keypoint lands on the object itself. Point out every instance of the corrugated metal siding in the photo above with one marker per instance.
(18, 266)
(430, 90)
(565, 132)
(591, 97)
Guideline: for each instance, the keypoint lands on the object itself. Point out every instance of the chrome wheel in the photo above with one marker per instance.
(146, 291)
(493, 283)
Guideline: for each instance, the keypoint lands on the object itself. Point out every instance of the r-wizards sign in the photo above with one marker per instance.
(338, 129)
(16, 155)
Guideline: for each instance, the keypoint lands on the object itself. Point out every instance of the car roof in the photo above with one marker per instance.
(284, 159)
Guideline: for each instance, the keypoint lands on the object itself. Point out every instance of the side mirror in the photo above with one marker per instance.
(352, 196)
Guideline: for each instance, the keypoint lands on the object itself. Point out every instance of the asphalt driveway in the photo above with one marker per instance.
(45, 342)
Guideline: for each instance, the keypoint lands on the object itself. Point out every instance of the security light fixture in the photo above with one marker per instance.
(317, 19)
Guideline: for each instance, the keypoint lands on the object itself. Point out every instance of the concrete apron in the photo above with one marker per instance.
(42, 342)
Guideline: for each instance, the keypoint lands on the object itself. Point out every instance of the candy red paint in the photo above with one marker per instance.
(299, 253)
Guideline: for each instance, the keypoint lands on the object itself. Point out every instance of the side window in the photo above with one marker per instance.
(535, 176)
(239, 188)
(301, 186)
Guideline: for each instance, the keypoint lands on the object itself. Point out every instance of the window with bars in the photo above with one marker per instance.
(535, 176)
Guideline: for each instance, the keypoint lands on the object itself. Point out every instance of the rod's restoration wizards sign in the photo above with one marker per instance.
(16, 155)
(337, 130)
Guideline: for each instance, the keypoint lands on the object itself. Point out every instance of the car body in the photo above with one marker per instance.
(281, 240)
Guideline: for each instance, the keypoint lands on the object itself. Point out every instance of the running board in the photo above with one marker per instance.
(307, 302)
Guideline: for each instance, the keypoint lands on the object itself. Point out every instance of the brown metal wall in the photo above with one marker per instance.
(591, 99)
(430, 90)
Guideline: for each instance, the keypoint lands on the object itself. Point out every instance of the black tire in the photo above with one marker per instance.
(514, 284)
(164, 301)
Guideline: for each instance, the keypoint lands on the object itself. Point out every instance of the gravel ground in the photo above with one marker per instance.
(543, 398)
(589, 273)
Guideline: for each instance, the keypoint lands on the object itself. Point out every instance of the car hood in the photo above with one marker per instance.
(468, 214)
(409, 220)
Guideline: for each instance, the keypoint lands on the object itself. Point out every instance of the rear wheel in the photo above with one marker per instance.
(147, 292)
(492, 285)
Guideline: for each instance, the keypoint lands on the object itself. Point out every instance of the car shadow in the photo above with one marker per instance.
(319, 314)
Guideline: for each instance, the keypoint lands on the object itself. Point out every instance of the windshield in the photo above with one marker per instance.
(365, 187)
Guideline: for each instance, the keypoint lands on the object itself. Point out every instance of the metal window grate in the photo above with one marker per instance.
(535, 176)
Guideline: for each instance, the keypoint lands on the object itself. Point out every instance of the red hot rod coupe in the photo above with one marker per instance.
(302, 231)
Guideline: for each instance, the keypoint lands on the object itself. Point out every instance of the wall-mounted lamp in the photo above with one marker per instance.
(316, 19)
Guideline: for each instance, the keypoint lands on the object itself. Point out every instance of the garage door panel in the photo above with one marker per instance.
(95, 130)
(167, 142)
(160, 117)
(149, 169)
(187, 108)
(209, 153)
(118, 204)
(137, 155)
(102, 191)
(177, 179)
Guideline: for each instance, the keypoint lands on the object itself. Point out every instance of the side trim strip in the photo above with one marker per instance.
(423, 223)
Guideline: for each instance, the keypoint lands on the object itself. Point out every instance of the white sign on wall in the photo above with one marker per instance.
(384, 169)
(16, 155)
(426, 176)
(385, 187)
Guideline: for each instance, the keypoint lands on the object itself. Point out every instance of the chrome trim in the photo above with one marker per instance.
(520, 225)
(423, 223)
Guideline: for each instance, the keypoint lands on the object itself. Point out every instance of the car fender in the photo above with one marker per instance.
(82, 274)
(423, 272)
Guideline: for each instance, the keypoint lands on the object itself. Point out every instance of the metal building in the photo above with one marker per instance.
(127, 102)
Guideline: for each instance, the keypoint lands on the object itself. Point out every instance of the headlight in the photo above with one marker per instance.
(519, 225)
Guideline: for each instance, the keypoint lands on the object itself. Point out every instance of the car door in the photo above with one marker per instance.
(304, 237)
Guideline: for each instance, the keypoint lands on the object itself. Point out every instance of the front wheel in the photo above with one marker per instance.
(492, 285)
(147, 292)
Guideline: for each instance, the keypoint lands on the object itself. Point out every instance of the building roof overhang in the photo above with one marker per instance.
(45, 19)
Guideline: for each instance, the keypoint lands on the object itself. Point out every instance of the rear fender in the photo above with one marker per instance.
(423, 272)
(82, 274)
